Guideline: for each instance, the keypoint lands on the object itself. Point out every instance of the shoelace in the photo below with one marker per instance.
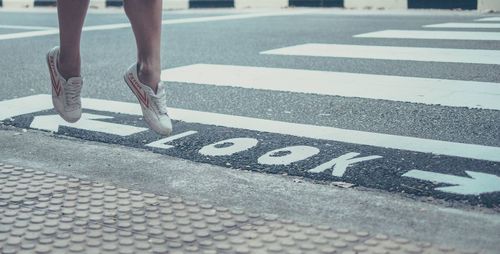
(161, 102)
(73, 94)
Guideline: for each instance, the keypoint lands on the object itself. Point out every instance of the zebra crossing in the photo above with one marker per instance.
(445, 92)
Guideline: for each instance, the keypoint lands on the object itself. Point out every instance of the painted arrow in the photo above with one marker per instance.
(478, 183)
(87, 122)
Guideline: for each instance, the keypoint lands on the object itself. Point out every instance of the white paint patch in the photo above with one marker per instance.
(288, 155)
(36, 103)
(465, 25)
(341, 163)
(236, 17)
(87, 122)
(478, 183)
(491, 19)
(165, 22)
(236, 145)
(453, 93)
(106, 27)
(24, 105)
(27, 27)
(244, 4)
(392, 53)
(433, 35)
(28, 34)
(376, 4)
(162, 143)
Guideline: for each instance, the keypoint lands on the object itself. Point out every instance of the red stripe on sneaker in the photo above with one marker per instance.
(141, 95)
(56, 85)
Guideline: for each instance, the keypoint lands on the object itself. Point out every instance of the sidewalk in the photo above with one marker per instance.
(49, 213)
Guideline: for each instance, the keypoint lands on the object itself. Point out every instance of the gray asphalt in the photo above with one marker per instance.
(106, 54)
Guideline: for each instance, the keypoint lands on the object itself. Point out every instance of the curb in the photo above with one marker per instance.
(481, 5)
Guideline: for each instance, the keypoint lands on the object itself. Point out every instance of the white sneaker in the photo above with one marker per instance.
(154, 106)
(65, 93)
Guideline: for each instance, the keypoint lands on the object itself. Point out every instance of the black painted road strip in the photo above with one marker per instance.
(316, 3)
(211, 3)
(443, 4)
(383, 168)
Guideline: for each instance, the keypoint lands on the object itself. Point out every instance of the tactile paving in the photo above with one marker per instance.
(47, 213)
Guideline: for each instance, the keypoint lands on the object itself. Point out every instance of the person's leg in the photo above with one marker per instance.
(145, 17)
(143, 77)
(64, 61)
(71, 15)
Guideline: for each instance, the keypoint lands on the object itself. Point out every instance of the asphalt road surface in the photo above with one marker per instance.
(400, 103)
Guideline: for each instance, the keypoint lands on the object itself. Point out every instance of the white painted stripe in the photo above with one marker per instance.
(455, 93)
(32, 104)
(465, 25)
(493, 19)
(245, 4)
(27, 27)
(433, 35)
(238, 16)
(24, 105)
(106, 27)
(164, 22)
(392, 53)
(199, 19)
(28, 34)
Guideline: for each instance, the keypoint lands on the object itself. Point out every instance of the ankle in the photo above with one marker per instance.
(69, 69)
(149, 75)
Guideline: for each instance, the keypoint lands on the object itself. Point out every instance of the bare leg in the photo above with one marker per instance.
(145, 17)
(71, 15)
